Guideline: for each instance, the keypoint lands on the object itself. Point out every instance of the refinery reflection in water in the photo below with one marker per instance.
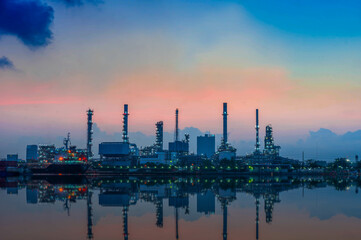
(145, 203)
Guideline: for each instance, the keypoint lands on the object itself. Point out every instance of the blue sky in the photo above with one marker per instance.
(309, 18)
(298, 61)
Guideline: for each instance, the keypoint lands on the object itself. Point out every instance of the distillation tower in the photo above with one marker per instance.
(125, 124)
(89, 143)
(159, 136)
(258, 145)
(178, 147)
(269, 147)
(67, 142)
(225, 133)
(176, 131)
(225, 150)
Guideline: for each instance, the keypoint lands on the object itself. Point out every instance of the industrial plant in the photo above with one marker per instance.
(125, 155)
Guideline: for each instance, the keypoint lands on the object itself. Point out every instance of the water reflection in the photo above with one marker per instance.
(123, 194)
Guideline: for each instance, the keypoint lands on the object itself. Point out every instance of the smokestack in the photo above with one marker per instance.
(257, 133)
(125, 124)
(89, 143)
(176, 126)
(159, 135)
(225, 136)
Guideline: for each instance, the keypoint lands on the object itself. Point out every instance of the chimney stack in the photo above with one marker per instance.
(125, 124)
(257, 133)
(176, 133)
(89, 143)
(225, 136)
(159, 136)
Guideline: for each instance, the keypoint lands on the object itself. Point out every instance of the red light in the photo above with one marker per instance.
(61, 190)
(61, 159)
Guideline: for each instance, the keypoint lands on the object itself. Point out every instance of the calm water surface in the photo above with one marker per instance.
(180, 208)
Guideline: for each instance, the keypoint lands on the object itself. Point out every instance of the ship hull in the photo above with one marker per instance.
(62, 169)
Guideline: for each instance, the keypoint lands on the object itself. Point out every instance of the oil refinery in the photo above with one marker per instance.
(124, 156)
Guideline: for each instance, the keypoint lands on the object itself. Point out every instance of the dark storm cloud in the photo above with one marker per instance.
(28, 20)
(5, 63)
(72, 3)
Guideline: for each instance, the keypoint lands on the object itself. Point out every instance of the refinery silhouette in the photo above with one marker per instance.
(125, 157)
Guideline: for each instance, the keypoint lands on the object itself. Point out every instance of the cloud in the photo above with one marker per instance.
(324, 144)
(6, 63)
(73, 3)
(29, 21)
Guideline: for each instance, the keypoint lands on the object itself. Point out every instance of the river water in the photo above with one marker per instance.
(180, 208)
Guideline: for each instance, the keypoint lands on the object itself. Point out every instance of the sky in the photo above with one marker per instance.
(297, 61)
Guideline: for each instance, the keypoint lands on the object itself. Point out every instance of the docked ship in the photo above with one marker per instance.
(65, 160)
(60, 168)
